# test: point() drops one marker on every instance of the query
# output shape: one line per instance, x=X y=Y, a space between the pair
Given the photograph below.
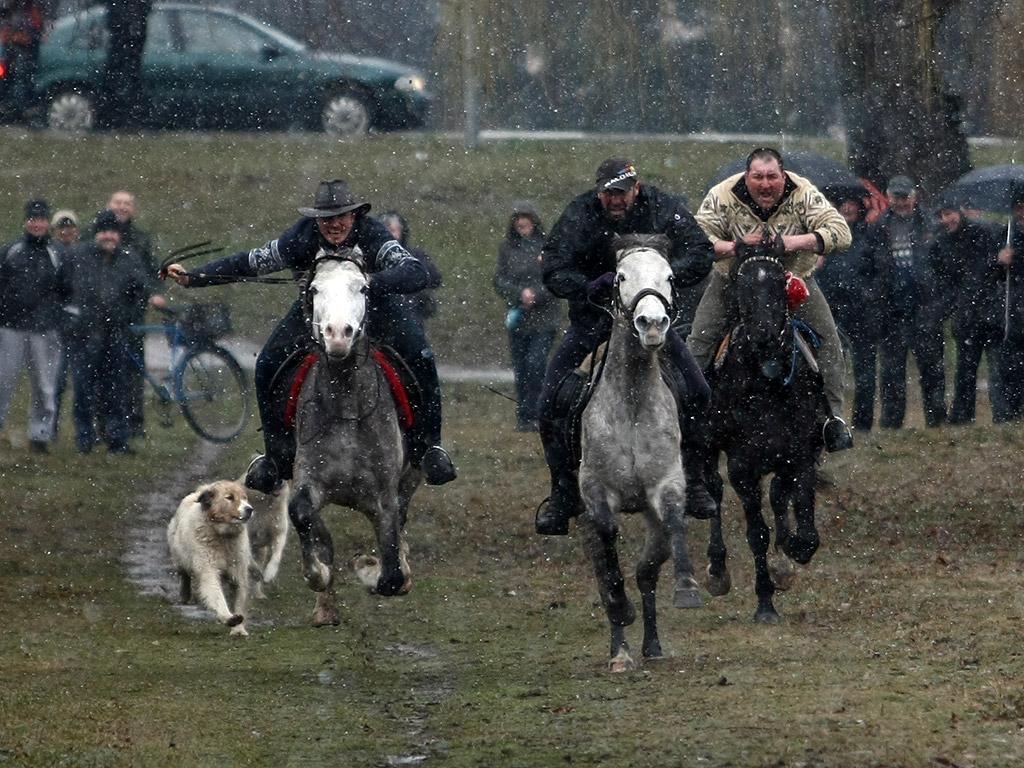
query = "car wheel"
x=71 y=112
x=345 y=114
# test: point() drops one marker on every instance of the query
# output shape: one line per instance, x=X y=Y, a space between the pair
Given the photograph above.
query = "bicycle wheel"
x=211 y=389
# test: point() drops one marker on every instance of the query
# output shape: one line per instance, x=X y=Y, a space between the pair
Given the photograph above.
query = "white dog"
x=209 y=542
x=268 y=534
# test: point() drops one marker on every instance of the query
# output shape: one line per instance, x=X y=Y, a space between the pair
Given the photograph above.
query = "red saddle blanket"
x=405 y=418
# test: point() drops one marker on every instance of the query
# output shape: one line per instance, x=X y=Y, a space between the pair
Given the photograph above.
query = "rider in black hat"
x=336 y=220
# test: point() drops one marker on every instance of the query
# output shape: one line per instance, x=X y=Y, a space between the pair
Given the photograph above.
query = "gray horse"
x=630 y=448
x=350 y=447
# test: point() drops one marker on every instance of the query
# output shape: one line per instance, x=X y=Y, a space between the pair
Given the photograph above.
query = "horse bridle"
x=353 y=255
x=628 y=312
x=782 y=334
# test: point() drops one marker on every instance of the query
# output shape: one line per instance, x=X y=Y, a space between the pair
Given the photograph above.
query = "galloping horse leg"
x=804 y=543
x=780 y=567
x=687 y=591
x=389 y=538
x=599 y=531
x=748 y=488
x=657 y=549
x=719 y=581
x=317 y=545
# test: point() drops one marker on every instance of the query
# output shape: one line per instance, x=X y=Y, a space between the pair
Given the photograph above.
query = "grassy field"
x=899 y=646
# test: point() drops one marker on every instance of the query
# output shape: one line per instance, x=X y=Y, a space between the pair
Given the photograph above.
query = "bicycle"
x=203 y=378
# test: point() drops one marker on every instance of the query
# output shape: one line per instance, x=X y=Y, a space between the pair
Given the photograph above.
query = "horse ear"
x=778 y=247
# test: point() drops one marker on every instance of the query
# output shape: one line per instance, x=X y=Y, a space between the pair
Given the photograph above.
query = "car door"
x=165 y=77
x=243 y=76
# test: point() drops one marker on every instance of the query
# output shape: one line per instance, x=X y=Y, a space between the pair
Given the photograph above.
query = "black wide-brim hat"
x=333 y=198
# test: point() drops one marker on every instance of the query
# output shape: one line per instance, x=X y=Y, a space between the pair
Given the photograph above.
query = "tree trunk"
x=899 y=119
x=120 y=103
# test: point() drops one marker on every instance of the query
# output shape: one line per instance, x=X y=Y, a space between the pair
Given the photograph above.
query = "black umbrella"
x=835 y=180
x=992 y=188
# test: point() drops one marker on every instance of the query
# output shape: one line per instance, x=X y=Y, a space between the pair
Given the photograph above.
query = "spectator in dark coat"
x=534 y=313
x=109 y=290
x=133 y=238
x=31 y=296
x=912 y=319
x=849 y=282
x=422 y=304
x=964 y=258
x=1011 y=351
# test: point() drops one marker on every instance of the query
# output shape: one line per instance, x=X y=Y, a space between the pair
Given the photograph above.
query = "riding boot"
x=564 y=502
x=267 y=472
x=425 y=435
x=695 y=430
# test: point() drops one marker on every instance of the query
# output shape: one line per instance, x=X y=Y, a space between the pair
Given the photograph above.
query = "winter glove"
x=599 y=290
x=603 y=284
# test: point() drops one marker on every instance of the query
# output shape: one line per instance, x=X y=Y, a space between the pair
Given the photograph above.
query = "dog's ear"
x=206 y=498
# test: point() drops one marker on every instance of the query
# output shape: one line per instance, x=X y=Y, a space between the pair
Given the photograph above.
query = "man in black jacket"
x=109 y=288
x=964 y=257
x=577 y=262
x=336 y=220
x=31 y=295
x=912 y=319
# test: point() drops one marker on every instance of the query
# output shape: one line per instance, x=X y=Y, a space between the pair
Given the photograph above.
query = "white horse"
x=630 y=448
x=350 y=449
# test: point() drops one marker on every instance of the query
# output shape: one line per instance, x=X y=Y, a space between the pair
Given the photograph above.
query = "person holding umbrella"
x=1011 y=351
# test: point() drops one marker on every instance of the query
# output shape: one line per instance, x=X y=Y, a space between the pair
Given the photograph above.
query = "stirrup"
x=437 y=466
x=262 y=475
x=836 y=434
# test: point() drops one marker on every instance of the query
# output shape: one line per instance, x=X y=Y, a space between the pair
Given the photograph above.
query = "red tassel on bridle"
x=796 y=290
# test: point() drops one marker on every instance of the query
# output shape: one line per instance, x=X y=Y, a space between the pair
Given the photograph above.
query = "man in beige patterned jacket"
x=768 y=198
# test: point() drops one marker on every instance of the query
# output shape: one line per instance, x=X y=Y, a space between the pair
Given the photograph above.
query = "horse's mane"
x=656 y=242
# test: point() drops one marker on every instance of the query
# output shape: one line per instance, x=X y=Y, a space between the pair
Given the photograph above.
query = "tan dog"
x=209 y=542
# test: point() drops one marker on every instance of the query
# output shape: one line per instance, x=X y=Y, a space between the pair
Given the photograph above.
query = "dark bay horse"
x=764 y=414
x=630 y=448
x=350 y=449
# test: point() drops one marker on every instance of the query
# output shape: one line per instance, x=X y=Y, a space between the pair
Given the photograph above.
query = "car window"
x=92 y=34
x=213 y=33
x=158 y=33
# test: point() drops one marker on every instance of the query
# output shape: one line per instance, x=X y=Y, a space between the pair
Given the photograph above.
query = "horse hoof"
x=687 y=595
x=621 y=662
x=240 y=630
x=367 y=570
x=406 y=587
x=766 y=617
x=719 y=585
x=325 y=612
x=782 y=573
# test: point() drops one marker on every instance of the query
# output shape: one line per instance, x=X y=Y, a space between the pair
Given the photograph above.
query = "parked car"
x=210 y=67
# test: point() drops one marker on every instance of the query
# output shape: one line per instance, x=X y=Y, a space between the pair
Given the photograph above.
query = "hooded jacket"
x=519 y=268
